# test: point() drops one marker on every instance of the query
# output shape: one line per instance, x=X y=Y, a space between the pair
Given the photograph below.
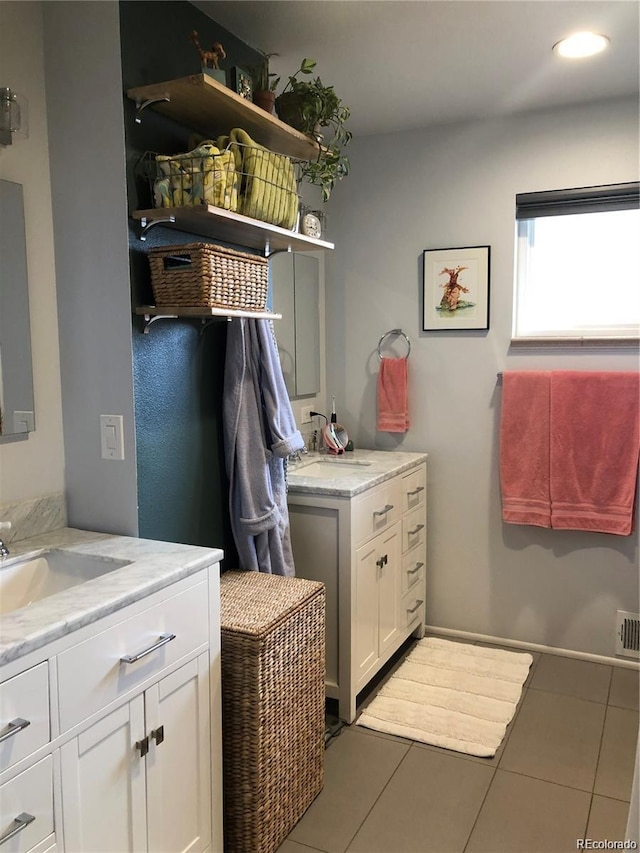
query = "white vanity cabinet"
x=154 y=746
x=122 y=746
x=139 y=778
x=369 y=549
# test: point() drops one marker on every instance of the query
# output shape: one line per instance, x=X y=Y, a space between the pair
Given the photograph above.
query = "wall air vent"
x=628 y=634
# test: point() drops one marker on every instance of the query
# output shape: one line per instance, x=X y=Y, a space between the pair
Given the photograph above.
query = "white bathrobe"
x=259 y=433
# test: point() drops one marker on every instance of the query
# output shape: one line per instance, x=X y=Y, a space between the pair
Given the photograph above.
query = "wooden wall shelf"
x=200 y=102
x=220 y=224
x=151 y=313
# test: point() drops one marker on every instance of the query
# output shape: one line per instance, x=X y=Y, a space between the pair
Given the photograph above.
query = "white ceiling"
x=401 y=64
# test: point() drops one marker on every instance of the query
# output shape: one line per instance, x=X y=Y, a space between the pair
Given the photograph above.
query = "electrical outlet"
x=305 y=414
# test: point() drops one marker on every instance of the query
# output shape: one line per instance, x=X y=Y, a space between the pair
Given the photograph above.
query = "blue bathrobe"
x=259 y=433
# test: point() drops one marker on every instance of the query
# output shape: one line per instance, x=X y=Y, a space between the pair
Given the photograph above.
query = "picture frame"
x=242 y=82
x=456 y=289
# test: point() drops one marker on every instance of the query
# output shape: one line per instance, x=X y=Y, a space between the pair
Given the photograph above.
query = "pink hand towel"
x=393 y=413
x=524 y=448
x=595 y=440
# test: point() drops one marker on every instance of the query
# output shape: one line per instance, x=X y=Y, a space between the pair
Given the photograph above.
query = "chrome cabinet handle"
x=416 y=491
x=22 y=821
x=413 y=609
x=384 y=511
x=416 y=530
x=162 y=641
x=14 y=727
x=417 y=569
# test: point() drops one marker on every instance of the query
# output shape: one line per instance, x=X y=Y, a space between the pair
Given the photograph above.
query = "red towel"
x=393 y=413
x=524 y=448
x=595 y=441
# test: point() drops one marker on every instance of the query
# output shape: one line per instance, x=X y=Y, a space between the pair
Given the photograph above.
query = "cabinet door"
x=366 y=609
x=103 y=784
x=179 y=761
x=389 y=589
x=376 y=606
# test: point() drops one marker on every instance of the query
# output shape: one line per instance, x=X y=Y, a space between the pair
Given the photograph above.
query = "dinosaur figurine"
x=209 y=58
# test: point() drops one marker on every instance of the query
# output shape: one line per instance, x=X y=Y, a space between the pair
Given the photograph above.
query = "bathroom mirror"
x=295 y=283
x=16 y=377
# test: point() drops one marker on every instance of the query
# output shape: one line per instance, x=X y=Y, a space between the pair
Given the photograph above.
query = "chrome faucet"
x=4 y=551
x=296 y=456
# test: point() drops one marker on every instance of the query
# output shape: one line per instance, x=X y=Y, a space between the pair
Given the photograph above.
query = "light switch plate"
x=112 y=436
x=23 y=422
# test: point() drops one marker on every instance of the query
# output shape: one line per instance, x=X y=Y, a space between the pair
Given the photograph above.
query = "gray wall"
x=86 y=144
x=455 y=186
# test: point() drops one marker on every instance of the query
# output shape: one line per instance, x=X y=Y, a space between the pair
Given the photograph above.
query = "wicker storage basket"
x=272 y=705
x=202 y=275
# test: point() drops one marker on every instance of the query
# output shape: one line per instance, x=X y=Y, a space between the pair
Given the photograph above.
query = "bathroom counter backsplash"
x=351 y=473
x=152 y=566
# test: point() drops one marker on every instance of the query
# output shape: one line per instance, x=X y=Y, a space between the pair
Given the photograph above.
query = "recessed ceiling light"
x=581 y=44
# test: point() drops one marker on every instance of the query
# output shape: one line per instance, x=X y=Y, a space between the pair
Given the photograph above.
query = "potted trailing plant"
x=264 y=83
x=310 y=107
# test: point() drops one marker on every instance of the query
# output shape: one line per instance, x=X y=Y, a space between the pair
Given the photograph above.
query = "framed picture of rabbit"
x=456 y=289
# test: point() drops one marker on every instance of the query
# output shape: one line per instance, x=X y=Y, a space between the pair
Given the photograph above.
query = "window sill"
x=582 y=343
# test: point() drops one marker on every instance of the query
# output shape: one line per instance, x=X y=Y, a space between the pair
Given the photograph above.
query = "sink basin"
x=24 y=581
x=328 y=467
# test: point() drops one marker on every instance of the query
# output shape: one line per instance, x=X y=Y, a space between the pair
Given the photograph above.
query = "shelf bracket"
x=269 y=253
x=142 y=106
x=147 y=224
x=205 y=322
x=151 y=318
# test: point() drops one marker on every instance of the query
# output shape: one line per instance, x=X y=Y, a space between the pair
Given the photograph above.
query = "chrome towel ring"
x=394 y=332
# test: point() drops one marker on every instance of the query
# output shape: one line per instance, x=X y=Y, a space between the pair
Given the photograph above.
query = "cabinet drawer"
x=376 y=510
x=413 y=569
x=413 y=529
x=412 y=609
x=24 y=714
x=414 y=488
x=27 y=800
x=93 y=673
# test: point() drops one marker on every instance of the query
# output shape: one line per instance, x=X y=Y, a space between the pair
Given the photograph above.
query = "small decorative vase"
x=265 y=100
x=289 y=110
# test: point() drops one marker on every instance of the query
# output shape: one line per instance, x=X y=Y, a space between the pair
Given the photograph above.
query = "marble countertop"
x=153 y=565
x=349 y=474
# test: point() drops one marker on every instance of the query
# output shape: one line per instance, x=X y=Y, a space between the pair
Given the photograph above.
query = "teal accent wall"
x=178 y=365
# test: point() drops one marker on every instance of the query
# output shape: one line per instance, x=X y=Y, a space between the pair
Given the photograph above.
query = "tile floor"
x=563 y=772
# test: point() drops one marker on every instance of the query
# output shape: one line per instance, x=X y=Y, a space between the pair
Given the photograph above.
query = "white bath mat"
x=453 y=695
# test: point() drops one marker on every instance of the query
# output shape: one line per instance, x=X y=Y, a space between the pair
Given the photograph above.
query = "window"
x=578 y=263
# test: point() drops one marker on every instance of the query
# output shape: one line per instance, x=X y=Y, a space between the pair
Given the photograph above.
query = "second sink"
x=330 y=467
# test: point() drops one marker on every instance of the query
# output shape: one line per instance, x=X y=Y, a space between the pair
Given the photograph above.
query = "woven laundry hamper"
x=273 y=669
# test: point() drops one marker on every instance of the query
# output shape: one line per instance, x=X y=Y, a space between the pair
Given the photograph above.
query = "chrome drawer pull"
x=416 y=491
x=384 y=511
x=413 y=609
x=23 y=820
x=14 y=727
x=417 y=569
x=162 y=641
x=416 y=530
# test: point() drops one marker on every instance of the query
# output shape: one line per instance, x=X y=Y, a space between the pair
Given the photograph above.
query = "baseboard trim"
x=533 y=647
